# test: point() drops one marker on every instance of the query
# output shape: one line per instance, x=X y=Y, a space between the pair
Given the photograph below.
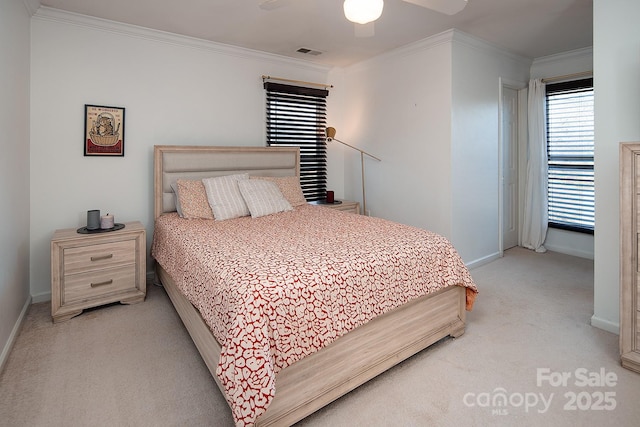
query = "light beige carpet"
x=136 y=365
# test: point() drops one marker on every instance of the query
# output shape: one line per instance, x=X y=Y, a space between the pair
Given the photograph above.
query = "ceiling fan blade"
x=364 y=30
x=448 y=7
x=273 y=4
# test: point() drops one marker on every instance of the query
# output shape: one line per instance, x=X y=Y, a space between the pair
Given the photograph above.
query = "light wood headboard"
x=173 y=162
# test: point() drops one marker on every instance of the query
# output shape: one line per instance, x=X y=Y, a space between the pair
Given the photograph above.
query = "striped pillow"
x=263 y=197
x=224 y=196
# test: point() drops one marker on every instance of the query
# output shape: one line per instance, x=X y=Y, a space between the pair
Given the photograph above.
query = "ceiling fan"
x=364 y=12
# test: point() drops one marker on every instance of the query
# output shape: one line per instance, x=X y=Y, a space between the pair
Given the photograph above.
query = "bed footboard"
x=348 y=362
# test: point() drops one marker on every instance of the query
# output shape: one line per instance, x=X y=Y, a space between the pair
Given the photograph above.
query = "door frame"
x=520 y=143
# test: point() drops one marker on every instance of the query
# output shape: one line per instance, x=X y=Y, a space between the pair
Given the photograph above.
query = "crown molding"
x=402 y=51
x=69 y=18
x=476 y=43
x=31 y=6
x=586 y=52
x=446 y=37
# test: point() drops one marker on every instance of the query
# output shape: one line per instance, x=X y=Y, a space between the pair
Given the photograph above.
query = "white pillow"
x=263 y=197
x=224 y=196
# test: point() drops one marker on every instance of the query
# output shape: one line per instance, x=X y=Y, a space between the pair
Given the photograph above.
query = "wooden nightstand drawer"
x=347 y=206
x=104 y=255
x=341 y=205
x=92 y=284
x=88 y=270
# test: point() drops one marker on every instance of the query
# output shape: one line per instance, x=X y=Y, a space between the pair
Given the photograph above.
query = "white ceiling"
x=531 y=28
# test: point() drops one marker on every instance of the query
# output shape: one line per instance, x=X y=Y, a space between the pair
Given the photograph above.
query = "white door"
x=509 y=168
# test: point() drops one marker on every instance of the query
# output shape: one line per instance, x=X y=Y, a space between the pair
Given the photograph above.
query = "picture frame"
x=103 y=130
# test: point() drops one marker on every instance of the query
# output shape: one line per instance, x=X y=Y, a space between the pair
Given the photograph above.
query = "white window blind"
x=296 y=116
x=570 y=148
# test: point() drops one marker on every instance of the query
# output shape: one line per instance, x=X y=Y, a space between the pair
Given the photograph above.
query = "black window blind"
x=570 y=147
x=296 y=116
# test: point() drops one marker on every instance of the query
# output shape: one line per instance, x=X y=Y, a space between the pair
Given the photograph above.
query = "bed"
x=337 y=363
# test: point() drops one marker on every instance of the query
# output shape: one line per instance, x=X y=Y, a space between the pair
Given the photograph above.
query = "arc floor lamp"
x=331 y=133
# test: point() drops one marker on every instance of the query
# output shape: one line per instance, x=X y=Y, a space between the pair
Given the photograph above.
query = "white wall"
x=14 y=170
x=478 y=69
x=430 y=112
x=185 y=91
x=577 y=61
x=175 y=90
x=616 y=60
x=397 y=107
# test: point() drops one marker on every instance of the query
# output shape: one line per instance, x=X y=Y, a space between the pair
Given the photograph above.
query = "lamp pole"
x=331 y=133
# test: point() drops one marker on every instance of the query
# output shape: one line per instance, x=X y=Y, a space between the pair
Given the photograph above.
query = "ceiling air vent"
x=308 y=51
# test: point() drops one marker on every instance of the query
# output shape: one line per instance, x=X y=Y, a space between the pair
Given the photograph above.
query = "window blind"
x=570 y=148
x=296 y=116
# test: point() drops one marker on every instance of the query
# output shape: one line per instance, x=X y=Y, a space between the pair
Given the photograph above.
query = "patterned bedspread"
x=277 y=288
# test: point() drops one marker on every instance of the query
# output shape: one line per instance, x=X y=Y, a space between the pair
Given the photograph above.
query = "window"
x=570 y=155
x=296 y=116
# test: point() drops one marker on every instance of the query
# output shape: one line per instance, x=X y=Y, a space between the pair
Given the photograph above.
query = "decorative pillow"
x=193 y=199
x=174 y=187
x=263 y=197
x=224 y=196
x=289 y=186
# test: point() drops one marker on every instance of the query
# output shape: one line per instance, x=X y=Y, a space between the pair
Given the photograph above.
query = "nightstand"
x=346 y=205
x=88 y=270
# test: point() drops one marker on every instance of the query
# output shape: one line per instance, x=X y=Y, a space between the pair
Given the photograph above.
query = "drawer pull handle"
x=106 y=282
x=101 y=257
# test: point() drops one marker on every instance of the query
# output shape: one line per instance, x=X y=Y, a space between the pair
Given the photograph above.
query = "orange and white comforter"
x=278 y=288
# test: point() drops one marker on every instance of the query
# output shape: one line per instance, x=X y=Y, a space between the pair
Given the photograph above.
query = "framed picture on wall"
x=103 y=130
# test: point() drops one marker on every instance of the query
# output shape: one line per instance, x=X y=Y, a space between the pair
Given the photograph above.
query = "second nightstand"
x=345 y=205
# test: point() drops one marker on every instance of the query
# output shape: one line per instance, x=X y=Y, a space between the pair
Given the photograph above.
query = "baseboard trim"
x=14 y=334
x=151 y=277
x=606 y=325
x=482 y=261
x=43 y=297
x=569 y=251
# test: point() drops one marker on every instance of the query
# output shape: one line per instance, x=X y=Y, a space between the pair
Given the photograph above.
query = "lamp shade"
x=331 y=133
x=363 y=11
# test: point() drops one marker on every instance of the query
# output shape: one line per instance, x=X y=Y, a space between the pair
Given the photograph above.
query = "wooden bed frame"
x=348 y=362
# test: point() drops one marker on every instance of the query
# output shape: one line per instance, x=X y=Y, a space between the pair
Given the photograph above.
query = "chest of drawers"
x=89 y=270
x=630 y=255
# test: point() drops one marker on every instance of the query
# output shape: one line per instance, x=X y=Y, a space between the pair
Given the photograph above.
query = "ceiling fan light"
x=363 y=11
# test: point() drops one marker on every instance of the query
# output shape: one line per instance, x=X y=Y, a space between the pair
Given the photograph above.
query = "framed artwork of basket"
x=103 y=130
